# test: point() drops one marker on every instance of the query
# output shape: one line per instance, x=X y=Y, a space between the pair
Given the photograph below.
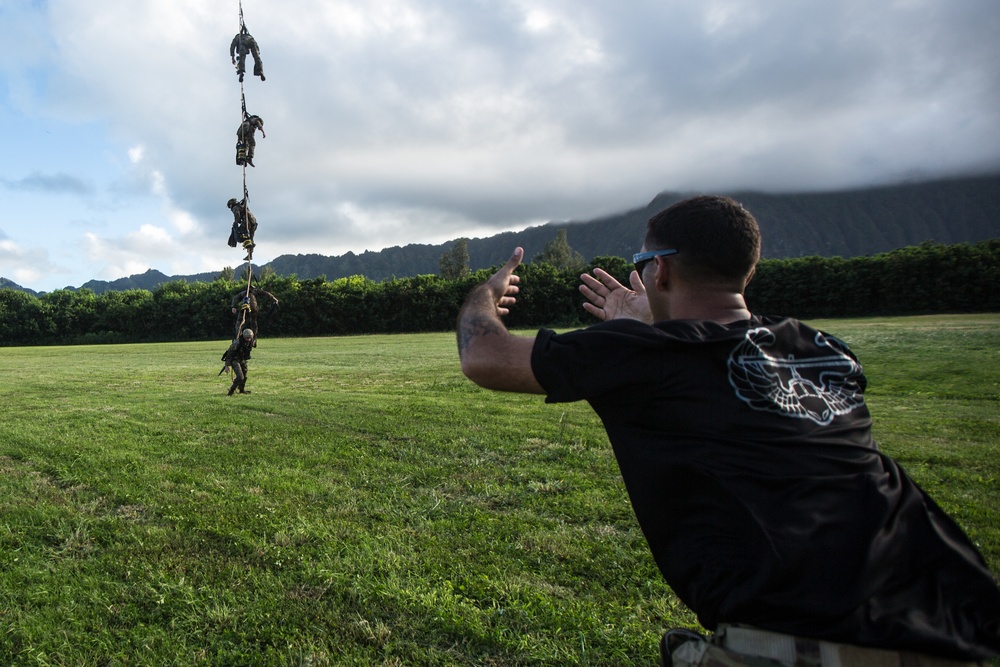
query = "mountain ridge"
x=845 y=223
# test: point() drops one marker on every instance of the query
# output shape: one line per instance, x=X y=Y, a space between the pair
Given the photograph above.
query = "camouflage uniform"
x=242 y=43
x=245 y=139
x=236 y=357
x=244 y=301
x=244 y=226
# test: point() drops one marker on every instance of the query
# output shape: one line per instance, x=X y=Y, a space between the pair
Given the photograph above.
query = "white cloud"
x=22 y=265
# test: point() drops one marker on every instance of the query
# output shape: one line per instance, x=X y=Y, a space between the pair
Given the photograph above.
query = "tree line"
x=929 y=278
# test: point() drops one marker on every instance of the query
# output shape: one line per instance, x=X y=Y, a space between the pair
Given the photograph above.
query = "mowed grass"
x=367 y=505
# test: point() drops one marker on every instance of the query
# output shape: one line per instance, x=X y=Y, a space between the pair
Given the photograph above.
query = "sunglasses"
x=641 y=259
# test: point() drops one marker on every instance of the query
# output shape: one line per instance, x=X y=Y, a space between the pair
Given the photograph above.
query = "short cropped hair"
x=715 y=237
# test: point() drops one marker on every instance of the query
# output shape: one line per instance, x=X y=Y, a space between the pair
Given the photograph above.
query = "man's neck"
x=717 y=306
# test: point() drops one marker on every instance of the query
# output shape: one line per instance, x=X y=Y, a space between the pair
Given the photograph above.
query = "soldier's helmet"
x=248 y=333
x=231 y=203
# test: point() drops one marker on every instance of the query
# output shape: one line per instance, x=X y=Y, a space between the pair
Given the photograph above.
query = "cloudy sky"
x=418 y=121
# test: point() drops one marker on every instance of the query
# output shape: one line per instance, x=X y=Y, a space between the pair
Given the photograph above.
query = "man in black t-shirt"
x=745 y=445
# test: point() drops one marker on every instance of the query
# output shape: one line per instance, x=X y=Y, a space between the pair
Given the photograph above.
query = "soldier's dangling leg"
x=251 y=143
x=243 y=314
x=253 y=320
x=258 y=64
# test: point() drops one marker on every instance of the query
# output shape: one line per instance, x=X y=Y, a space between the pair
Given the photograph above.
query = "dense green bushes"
x=930 y=278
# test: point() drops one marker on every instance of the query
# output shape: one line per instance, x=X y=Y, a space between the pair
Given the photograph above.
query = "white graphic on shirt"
x=816 y=388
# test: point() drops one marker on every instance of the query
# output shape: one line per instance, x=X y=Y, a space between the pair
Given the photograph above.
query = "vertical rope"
x=242 y=315
x=246 y=193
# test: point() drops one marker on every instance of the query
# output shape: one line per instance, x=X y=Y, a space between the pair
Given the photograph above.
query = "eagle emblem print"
x=818 y=388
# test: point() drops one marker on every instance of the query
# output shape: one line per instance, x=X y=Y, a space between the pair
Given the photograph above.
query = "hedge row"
x=930 y=278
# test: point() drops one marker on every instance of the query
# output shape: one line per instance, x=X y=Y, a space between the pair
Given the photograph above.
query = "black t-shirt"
x=746 y=450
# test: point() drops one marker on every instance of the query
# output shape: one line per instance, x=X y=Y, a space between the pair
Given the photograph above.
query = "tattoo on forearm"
x=477 y=318
x=477 y=324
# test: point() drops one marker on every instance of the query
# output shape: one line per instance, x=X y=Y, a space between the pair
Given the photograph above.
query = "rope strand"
x=242 y=315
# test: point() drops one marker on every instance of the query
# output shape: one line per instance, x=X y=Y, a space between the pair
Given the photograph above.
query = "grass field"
x=366 y=505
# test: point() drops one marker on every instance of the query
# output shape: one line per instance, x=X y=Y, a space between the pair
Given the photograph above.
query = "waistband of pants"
x=801 y=652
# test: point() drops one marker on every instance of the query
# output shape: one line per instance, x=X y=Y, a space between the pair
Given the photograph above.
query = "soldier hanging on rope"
x=246 y=140
x=243 y=43
x=244 y=226
x=246 y=308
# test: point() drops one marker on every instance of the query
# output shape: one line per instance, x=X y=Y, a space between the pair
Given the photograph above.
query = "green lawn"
x=367 y=505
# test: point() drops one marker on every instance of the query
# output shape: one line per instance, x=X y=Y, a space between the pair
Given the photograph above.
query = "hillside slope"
x=845 y=223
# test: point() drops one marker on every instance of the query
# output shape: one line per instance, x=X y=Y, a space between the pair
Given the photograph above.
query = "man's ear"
x=750 y=277
x=663 y=278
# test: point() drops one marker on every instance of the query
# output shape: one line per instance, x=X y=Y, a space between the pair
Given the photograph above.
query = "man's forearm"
x=478 y=317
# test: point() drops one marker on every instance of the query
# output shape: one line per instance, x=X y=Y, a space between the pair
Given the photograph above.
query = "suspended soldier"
x=243 y=43
x=245 y=138
x=244 y=226
x=247 y=309
x=236 y=357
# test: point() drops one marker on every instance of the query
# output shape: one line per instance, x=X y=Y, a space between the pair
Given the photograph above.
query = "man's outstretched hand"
x=486 y=304
x=491 y=357
x=503 y=284
x=608 y=299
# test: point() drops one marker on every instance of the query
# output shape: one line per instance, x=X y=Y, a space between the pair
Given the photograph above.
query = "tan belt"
x=800 y=652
